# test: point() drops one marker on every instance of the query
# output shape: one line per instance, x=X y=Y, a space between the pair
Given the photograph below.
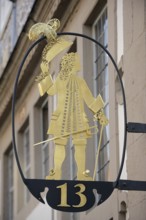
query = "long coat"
x=70 y=115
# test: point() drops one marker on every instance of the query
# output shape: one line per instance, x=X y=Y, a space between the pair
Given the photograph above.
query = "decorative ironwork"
x=136 y=127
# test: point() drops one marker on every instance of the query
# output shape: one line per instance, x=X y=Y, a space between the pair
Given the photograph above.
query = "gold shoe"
x=85 y=176
x=51 y=175
x=54 y=175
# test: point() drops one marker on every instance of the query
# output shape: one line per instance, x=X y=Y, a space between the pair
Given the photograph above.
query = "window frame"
x=100 y=174
x=44 y=145
x=9 y=184
x=27 y=164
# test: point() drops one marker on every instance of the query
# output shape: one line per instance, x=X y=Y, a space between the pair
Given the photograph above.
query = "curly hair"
x=67 y=64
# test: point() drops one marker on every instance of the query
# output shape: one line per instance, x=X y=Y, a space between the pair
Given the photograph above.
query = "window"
x=101 y=85
x=26 y=150
x=9 y=182
x=26 y=147
x=42 y=152
x=45 y=149
x=72 y=163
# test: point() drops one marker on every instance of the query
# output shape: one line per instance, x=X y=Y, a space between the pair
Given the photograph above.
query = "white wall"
x=42 y=211
x=5 y=10
x=119 y=30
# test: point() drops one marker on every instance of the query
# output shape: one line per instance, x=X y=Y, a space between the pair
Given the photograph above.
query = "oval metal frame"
x=115 y=184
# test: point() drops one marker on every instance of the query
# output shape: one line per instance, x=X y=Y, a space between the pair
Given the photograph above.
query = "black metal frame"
x=36 y=186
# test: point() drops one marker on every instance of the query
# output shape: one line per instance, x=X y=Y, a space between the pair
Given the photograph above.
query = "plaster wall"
x=135 y=87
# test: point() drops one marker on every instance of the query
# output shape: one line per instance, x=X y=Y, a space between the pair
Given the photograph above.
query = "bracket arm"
x=133 y=127
x=131 y=185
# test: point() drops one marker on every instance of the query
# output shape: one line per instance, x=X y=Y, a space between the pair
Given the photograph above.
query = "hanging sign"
x=68 y=121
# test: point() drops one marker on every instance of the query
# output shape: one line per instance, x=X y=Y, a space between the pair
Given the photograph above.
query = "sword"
x=65 y=135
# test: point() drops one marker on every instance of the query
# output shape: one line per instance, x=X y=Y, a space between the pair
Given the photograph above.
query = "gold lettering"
x=83 y=198
x=63 y=195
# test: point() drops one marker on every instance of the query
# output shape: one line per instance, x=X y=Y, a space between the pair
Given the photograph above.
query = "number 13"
x=63 y=202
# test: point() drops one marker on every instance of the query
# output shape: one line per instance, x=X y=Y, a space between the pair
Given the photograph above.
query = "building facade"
x=120 y=26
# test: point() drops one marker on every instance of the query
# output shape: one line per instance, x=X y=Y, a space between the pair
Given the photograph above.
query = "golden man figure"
x=69 y=117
